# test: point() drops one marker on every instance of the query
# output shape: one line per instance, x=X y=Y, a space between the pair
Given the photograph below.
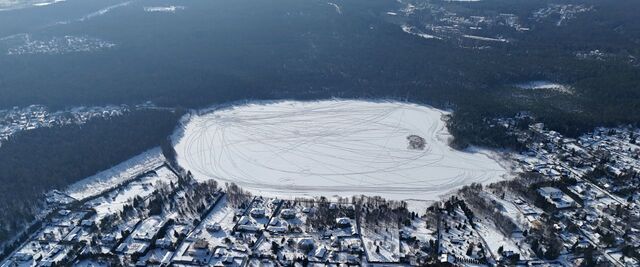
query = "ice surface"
x=336 y=147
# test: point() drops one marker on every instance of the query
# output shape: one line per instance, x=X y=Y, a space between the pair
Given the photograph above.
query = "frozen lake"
x=333 y=147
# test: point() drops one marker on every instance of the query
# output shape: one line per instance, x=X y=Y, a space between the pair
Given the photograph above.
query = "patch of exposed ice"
x=481 y=38
x=48 y=3
x=545 y=85
x=22 y=44
x=163 y=9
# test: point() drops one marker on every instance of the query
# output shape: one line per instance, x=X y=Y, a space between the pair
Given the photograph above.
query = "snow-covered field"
x=545 y=85
x=495 y=239
x=382 y=243
x=333 y=147
x=116 y=175
x=144 y=187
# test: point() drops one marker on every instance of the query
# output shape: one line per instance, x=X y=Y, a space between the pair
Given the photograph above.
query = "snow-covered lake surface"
x=333 y=147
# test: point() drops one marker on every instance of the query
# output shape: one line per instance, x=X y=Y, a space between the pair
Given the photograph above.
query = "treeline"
x=34 y=162
x=359 y=55
x=605 y=89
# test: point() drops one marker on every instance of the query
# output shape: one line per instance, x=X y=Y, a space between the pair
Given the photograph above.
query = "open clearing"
x=545 y=85
x=333 y=147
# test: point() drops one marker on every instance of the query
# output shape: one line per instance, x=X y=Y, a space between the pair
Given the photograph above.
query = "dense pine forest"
x=310 y=51
x=37 y=161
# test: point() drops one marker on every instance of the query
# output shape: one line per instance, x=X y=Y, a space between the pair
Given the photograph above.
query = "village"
x=572 y=202
x=32 y=117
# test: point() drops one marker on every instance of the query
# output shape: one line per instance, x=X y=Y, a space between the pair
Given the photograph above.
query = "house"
x=243 y=220
x=164 y=243
x=288 y=214
x=215 y=227
x=139 y=248
x=343 y=222
x=219 y=252
x=551 y=192
x=201 y=244
x=121 y=248
x=507 y=253
x=87 y=223
x=277 y=229
x=25 y=256
x=227 y=259
x=305 y=243
x=258 y=212
x=446 y=258
x=556 y=197
x=64 y=212
x=320 y=252
x=108 y=239
x=248 y=228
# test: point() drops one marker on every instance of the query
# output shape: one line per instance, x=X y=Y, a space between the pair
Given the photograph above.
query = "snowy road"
x=336 y=147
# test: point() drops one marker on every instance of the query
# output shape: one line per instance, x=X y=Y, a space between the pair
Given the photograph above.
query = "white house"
x=551 y=192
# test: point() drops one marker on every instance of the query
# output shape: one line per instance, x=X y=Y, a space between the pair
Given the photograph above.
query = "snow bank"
x=124 y=171
x=545 y=85
x=337 y=147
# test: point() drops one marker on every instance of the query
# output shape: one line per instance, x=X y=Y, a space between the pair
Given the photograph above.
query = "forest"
x=37 y=161
x=306 y=50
